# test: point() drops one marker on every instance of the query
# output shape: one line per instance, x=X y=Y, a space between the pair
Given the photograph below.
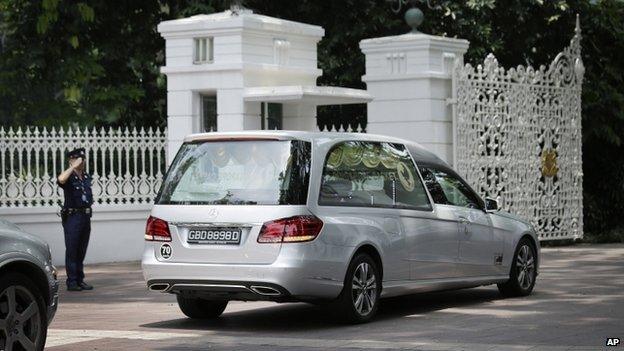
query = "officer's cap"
x=79 y=152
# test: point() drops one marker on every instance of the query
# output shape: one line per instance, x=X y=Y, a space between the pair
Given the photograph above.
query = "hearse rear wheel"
x=359 y=300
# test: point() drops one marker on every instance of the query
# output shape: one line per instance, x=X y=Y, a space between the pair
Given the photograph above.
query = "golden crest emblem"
x=549 y=163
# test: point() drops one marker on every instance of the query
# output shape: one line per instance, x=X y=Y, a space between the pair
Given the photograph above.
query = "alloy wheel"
x=20 y=320
x=525 y=265
x=364 y=289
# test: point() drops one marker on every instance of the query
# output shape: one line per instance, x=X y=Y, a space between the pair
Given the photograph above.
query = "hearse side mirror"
x=491 y=205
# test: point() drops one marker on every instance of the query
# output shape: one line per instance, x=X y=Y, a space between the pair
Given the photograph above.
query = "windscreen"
x=250 y=172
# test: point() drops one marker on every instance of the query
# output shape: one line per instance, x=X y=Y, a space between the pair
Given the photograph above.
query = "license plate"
x=214 y=236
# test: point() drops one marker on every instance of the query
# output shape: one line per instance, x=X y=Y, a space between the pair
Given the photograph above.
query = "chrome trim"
x=214 y=224
x=255 y=288
x=402 y=287
x=190 y=285
x=152 y=287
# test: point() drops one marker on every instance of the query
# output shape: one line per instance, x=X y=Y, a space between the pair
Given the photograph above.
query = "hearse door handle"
x=463 y=220
x=465 y=223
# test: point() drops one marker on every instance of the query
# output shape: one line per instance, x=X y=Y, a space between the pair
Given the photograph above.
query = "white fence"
x=350 y=128
x=127 y=166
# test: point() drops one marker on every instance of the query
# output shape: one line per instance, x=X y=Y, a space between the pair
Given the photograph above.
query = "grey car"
x=28 y=289
x=330 y=218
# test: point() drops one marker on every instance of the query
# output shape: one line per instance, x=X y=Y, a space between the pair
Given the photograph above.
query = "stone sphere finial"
x=237 y=7
x=414 y=17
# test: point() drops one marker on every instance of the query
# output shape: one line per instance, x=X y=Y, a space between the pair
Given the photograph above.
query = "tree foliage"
x=96 y=62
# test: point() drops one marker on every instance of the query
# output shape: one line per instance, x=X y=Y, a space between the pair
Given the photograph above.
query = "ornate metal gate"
x=518 y=138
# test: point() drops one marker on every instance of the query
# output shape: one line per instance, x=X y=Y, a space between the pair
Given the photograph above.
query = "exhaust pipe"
x=159 y=287
x=265 y=290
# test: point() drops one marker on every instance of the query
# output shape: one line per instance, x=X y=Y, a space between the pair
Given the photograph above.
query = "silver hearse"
x=337 y=218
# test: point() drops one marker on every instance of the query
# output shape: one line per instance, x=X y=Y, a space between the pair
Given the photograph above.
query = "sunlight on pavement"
x=500 y=313
x=59 y=337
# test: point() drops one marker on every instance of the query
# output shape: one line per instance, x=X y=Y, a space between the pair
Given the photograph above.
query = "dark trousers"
x=77 y=228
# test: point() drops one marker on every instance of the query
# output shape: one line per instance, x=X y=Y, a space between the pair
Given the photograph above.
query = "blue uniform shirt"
x=77 y=192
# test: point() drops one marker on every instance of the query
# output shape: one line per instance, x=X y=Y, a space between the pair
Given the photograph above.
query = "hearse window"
x=246 y=172
x=447 y=189
x=372 y=174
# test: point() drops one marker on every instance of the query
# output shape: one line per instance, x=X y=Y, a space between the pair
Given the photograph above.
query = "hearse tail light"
x=157 y=230
x=290 y=230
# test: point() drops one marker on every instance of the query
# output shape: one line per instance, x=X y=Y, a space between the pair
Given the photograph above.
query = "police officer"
x=76 y=215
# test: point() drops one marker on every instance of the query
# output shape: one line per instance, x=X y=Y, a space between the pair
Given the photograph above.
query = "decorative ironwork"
x=518 y=138
x=127 y=166
x=343 y=128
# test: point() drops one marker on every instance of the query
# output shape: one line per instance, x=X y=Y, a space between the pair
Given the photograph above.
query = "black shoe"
x=85 y=286
x=74 y=287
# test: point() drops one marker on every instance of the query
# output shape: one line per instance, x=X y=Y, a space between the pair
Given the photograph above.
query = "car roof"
x=419 y=153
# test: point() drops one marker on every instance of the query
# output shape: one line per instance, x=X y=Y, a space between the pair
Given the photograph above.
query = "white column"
x=410 y=79
x=299 y=117
x=234 y=114
x=251 y=118
x=182 y=115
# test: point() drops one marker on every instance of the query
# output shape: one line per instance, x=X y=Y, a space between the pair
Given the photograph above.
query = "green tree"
x=90 y=62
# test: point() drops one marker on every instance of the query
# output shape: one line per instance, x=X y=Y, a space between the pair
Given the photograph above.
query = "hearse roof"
x=419 y=153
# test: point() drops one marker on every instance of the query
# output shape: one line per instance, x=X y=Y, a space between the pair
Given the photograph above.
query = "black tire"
x=523 y=271
x=24 y=321
x=198 y=308
x=346 y=307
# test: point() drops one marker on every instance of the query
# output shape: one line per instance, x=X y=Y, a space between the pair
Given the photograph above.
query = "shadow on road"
x=301 y=316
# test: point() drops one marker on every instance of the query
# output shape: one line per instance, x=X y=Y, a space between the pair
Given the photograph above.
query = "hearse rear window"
x=250 y=172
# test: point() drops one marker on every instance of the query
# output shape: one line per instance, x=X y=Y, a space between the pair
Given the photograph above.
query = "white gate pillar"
x=410 y=78
x=182 y=114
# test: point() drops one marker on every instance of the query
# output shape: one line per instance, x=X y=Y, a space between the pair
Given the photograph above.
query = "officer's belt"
x=86 y=210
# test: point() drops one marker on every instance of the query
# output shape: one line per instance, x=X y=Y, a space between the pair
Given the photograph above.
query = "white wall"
x=116 y=231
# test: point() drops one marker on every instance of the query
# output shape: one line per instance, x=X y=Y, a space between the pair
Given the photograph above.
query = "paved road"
x=577 y=304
